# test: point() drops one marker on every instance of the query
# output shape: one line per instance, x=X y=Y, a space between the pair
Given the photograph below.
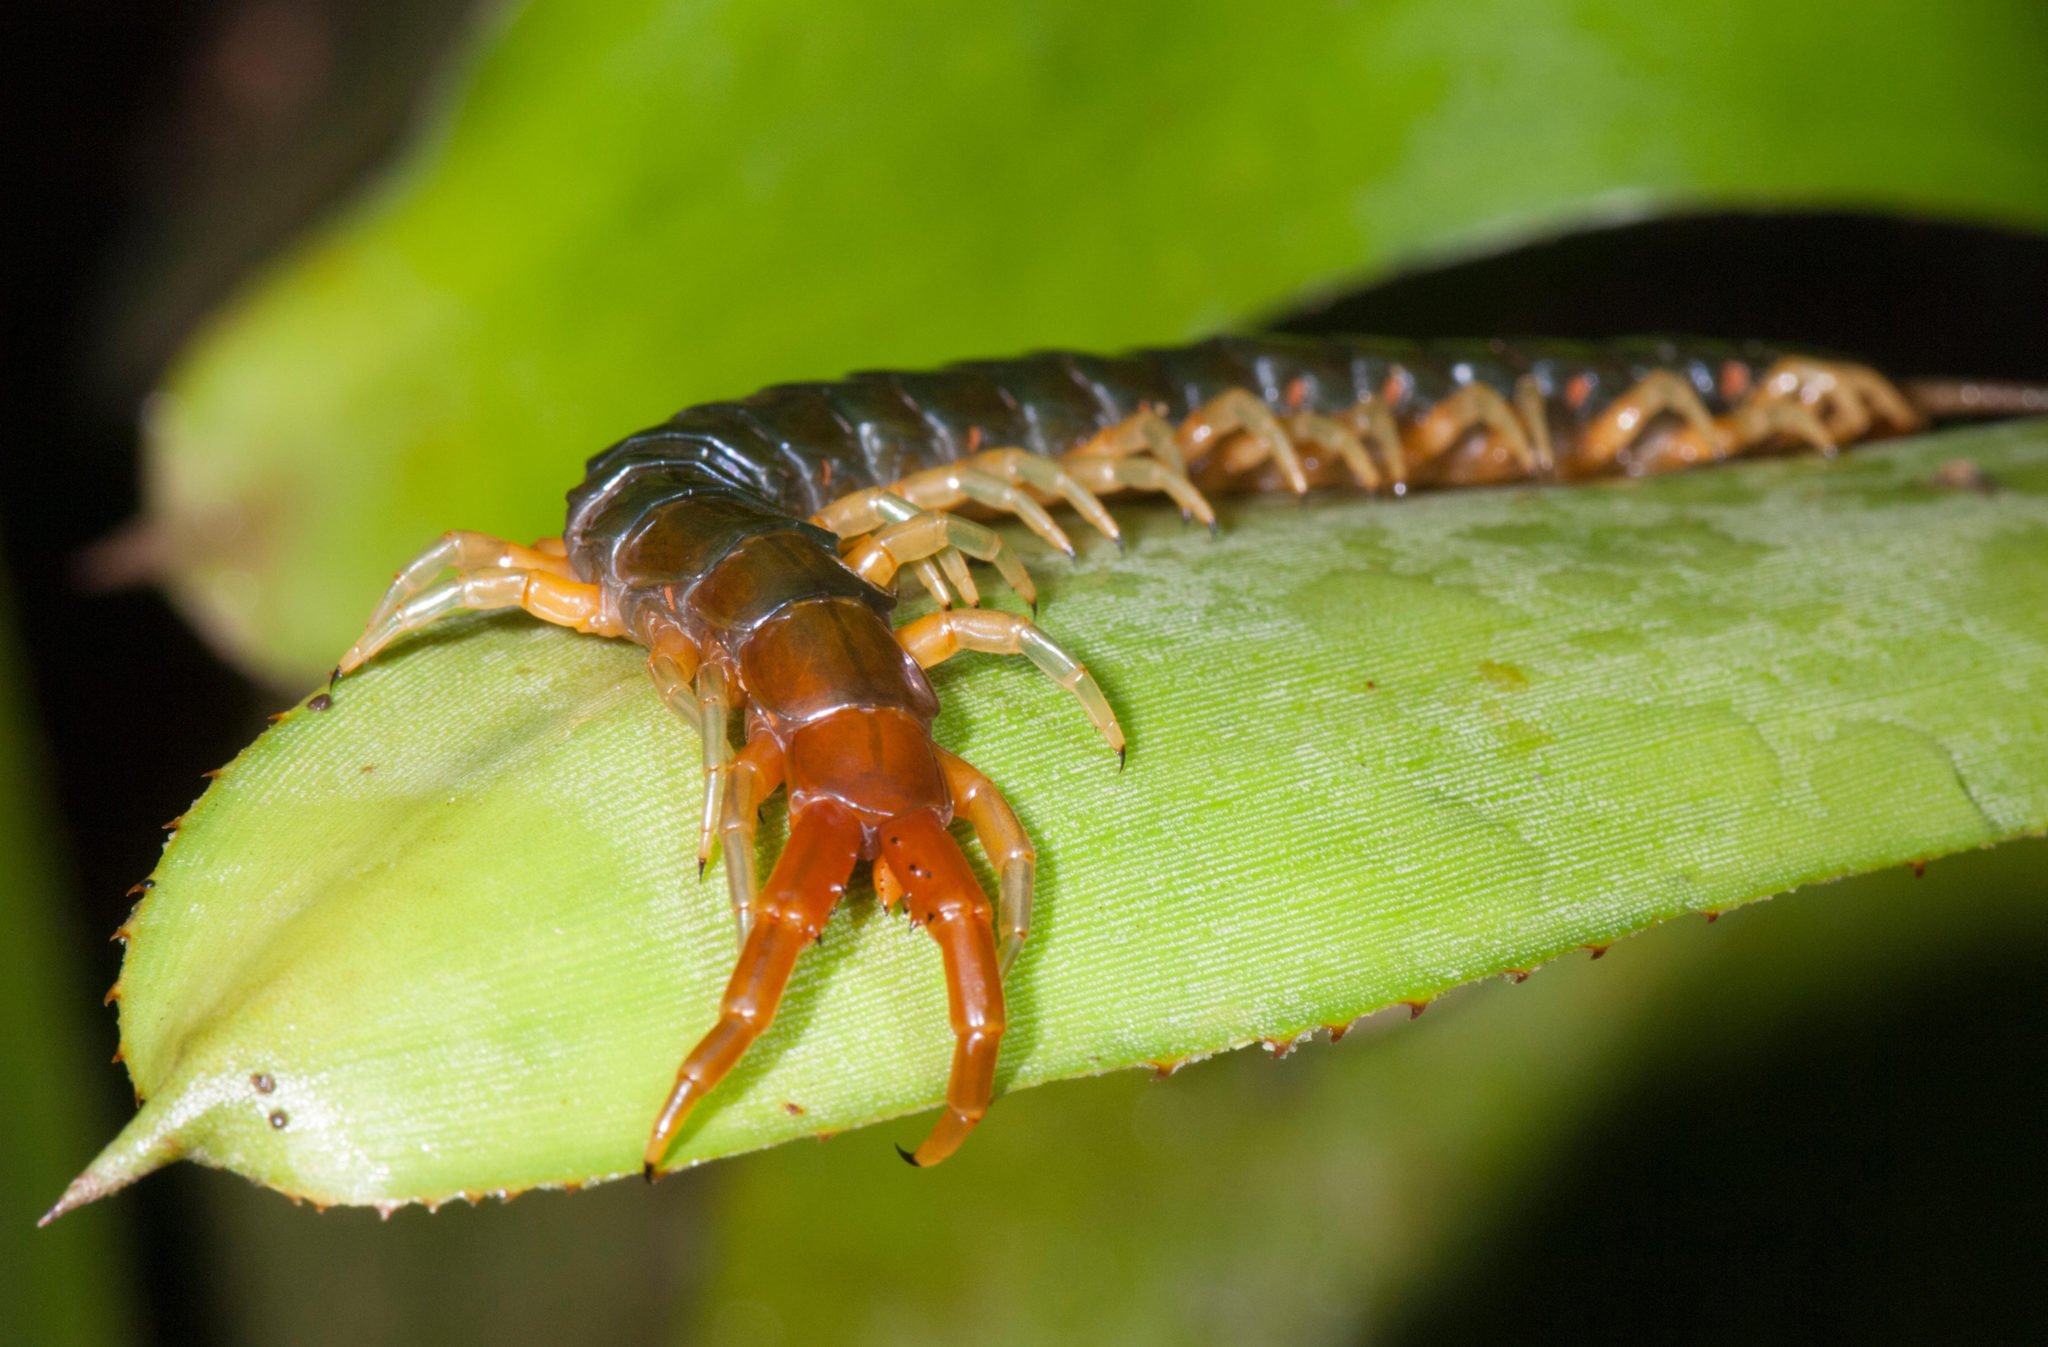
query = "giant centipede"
x=753 y=548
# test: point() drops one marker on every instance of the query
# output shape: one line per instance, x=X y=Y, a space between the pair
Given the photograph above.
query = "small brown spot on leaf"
x=263 y=1082
x=1960 y=474
x=279 y=1120
x=792 y=1108
x=1505 y=676
x=319 y=701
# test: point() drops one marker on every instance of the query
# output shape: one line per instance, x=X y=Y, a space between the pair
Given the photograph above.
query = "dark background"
x=153 y=152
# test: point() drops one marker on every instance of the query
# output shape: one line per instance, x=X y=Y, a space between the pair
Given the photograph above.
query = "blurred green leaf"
x=67 y=1285
x=638 y=204
x=443 y=937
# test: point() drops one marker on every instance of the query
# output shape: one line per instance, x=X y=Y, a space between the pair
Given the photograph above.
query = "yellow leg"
x=859 y=513
x=543 y=593
x=755 y=774
x=1003 y=840
x=877 y=557
x=1766 y=422
x=1146 y=432
x=1334 y=437
x=1848 y=399
x=1238 y=413
x=1473 y=407
x=1623 y=421
x=1535 y=413
x=995 y=480
x=938 y=637
x=465 y=551
x=1140 y=473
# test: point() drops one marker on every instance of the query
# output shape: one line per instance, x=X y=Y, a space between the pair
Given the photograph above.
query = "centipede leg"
x=1136 y=473
x=1373 y=422
x=1336 y=438
x=945 y=899
x=1003 y=840
x=862 y=512
x=1534 y=410
x=877 y=557
x=714 y=695
x=795 y=903
x=544 y=594
x=1473 y=407
x=1848 y=398
x=466 y=551
x=1762 y=422
x=1238 y=412
x=756 y=772
x=1046 y=475
x=937 y=637
x=1143 y=432
x=1622 y=422
x=888 y=888
x=952 y=484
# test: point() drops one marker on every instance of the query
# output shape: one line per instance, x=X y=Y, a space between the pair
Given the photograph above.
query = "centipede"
x=755 y=549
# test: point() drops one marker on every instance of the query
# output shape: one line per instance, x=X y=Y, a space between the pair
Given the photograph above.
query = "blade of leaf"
x=442 y=938
x=638 y=204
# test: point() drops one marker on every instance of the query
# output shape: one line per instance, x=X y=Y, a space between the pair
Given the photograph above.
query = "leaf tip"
x=143 y=1147
x=86 y=1188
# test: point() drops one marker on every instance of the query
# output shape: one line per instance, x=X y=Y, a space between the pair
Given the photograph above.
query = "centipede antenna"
x=1975 y=397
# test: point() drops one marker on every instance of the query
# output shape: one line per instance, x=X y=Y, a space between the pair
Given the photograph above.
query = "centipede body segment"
x=753 y=548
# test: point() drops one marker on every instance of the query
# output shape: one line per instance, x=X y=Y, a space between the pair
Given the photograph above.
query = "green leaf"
x=443 y=937
x=643 y=203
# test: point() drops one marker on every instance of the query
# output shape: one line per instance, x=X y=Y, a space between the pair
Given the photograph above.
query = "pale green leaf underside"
x=1379 y=749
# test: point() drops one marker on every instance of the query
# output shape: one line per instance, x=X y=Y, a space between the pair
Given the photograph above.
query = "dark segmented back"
x=799 y=446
